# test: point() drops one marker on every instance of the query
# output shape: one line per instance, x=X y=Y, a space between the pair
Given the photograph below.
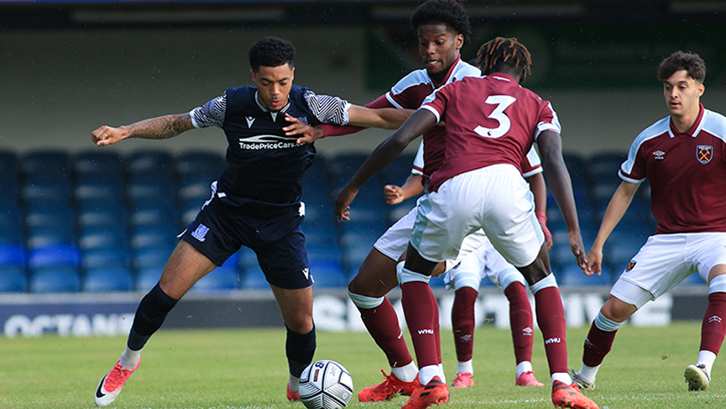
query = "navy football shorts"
x=220 y=230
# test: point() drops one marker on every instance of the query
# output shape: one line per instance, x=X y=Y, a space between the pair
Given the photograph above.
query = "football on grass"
x=325 y=384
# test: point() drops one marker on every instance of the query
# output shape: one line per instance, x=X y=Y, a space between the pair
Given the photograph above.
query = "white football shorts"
x=496 y=199
x=394 y=241
x=664 y=261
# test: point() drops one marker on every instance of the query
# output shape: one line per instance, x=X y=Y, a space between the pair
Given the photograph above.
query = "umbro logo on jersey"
x=200 y=233
x=250 y=121
x=659 y=155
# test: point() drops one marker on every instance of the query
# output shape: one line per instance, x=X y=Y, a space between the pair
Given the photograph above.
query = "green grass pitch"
x=247 y=369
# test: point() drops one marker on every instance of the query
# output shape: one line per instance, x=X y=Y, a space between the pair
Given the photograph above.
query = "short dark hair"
x=448 y=12
x=692 y=63
x=271 y=52
x=504 y=52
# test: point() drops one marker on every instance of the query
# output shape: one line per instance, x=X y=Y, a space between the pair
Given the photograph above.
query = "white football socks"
x=129 y=359
x=406 y=373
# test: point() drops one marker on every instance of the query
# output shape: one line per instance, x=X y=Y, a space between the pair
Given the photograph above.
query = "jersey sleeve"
x=547 y=121
x=210 y=114
x=531 y=164
x=418 y=161
x=405 y=93
x=436 y=102
x=335 y=130
x=328 y=109
x=633 y=170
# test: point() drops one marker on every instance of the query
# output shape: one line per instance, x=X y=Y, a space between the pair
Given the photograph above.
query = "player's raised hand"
x=393 y=194
x=309 y=134
x=106 y=135
x=342 y=202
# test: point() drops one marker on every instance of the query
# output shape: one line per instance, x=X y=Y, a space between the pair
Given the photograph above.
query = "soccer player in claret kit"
x=491 y=123
x=255 y=203
x=683 y=157
x=442 y=27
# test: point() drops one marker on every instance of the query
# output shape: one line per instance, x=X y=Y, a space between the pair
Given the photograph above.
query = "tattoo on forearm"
x=163 y=127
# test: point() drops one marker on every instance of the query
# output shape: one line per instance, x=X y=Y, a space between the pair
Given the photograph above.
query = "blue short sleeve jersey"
x=264 y=165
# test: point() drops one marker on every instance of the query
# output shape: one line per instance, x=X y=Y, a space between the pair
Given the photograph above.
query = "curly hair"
x=504 y=52
x=448 y=12
x=692 y=63
x=271 y=52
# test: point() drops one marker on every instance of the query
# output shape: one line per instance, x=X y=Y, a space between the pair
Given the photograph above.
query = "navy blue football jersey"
x=264 y=165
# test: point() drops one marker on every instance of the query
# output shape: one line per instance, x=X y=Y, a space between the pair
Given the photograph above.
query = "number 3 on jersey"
x=502 y=102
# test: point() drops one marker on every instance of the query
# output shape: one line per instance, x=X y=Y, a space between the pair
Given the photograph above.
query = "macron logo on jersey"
x=200 y=233
x=250 y=121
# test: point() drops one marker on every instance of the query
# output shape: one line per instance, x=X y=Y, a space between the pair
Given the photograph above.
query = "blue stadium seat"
x=108 y=279
x=571 y=274
x=146 y=278
x=12 y=268
x=91 y=186
x=102 y=236
x=105 y=257
x=47 y=162
x=322 y=233
x=101 y=214
x=328 y=274
x=189 y=209
x=10 y=186
x=54 y=255
x=150 y=161
x=154 y=236
x=13 y=279
x=219 y=279
x=46 y=188
x=620 y=249
x=195 y=187
x=9 y=163
x=151 y=257
x=252 y=277
x=99 y=163
x=154 y=212
x=44 y=236
x=144 y=187
x=399 y=170
x=211 y=164
x=12 y=255
x=55 y=279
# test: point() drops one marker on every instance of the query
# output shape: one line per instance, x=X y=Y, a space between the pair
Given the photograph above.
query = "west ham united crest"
x=704 y=153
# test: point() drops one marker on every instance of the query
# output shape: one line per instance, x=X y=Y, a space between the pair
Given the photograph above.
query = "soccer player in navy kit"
x=683 y=156
x=491 y=123
x=255 y=203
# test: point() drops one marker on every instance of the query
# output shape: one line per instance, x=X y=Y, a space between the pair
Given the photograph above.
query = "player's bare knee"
x=617 y=310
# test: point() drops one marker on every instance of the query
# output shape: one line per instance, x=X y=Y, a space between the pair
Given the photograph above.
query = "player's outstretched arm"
x=386 y=118
x=553 y=164
x=421 y=121
x=617 y=207
x=162 y=127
